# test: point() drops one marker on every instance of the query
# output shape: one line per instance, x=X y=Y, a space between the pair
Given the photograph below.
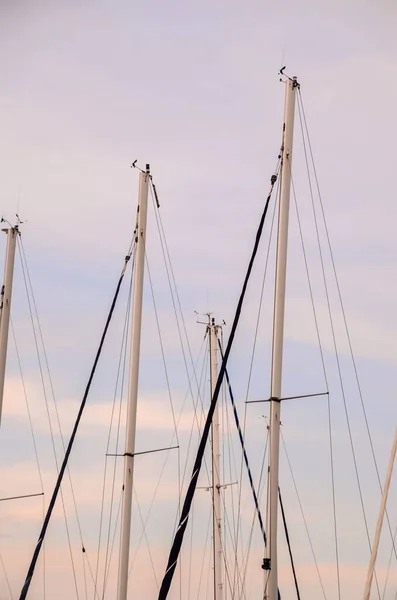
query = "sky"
x=193 y=88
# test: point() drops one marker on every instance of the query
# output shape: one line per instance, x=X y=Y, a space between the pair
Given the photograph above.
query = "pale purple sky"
x=192 y=88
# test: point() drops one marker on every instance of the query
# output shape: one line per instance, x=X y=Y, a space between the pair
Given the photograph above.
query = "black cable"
x=289 y=545
x=178 y=539
x=51 y=505
x=240 y=435
x=241 y=438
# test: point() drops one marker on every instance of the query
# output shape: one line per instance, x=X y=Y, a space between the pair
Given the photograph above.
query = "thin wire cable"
x=146 y=540
x=84 y=574
x=334 y=341
x=121 y=368
x=164 y=463
x=246 y=462
x=176 y=546
x=33 y=440
x=166 y=375
x=277 y=171
x=26 y=279
x=190 y=553
x=204 y=554
x=6 y=577
x=249 y=544
x=170 y=400
x=339 y=373
x=177 y=305
x=117 y=450
x=300 y=104
x=230 y=531
x=112 y=546
x=31 y=569
x=323 y=365
x=232 y=459
x=289 y=545
x=303 y=517
x=389 y=565
x=25 y=395
x=46 y=361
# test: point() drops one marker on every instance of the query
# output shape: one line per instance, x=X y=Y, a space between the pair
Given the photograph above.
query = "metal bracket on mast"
x=220 y=486
x=144 y=452
x=287 y=398
x=295 y=83
x=135 y=166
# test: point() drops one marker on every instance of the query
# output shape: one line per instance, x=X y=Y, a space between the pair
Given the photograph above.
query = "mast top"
x=11 y=227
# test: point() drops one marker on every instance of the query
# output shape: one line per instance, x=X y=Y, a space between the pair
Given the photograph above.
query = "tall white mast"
x=382 y=510
x=5 y=304
x=216 y=487
x=136 y=321
x=271 y=589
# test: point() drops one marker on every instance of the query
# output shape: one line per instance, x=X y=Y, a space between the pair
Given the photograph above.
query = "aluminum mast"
x=270 y=563
x=5 y=304
x=216 y=487
x=136 y=322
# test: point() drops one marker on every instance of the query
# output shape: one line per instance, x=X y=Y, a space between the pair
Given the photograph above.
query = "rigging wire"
x=250 y=478
x=249 y=544
x=121 y=368
x=84 y=575
x=32 y=565
x=227 y=527
x=33 y=312
x=241 y=438
x=6 y=577
x=33 y=439
x=300 y=105
x=325 y=377
x=164 y=463
x=112 y=546
x=176 y=546
x=236 y=573
x=171 y=279
x=330 y=438
x=289 y=544
x=146 y=540
x=277 y=170
x=190 y=553
x=204 y=554
x=167 y=378
x=232 y=462
x=235 y=549
x=332 y=322
x=389 y=565
x=29 y=287
x=303 y=516
x=169 y=393
x=176 y=303
x=126 y=325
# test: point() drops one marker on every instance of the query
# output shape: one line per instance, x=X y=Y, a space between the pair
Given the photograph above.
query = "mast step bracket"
x=266 y=564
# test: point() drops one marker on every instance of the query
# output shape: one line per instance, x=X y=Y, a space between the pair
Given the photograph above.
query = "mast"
x=271 y=587
x=382 y=510
x=216 y=491
x=5 y=304
x=136 y=321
